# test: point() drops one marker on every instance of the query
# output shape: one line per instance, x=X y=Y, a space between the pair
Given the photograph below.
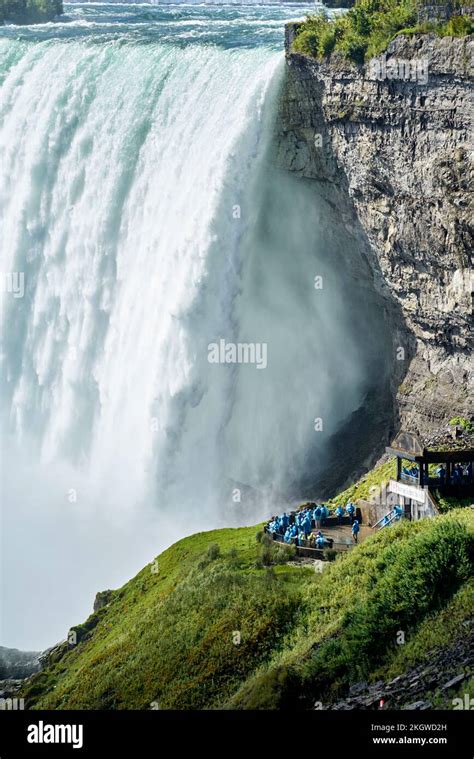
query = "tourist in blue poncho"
x=355 y=530
x=350 y=508
x=317 y=517
x=441 y=472
x=324 y=514
x=307 y=526
x=320 y=541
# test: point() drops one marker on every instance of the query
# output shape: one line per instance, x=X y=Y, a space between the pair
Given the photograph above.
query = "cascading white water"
x=137 y=200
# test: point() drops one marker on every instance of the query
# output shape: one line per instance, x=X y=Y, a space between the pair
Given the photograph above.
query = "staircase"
x=389 y=518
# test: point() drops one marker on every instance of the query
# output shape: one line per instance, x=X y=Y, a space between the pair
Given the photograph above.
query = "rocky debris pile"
x=10 y=688
x=453 y=438
x=417 y=687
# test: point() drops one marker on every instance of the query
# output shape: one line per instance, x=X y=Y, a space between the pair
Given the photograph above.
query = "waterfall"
x=141 y=211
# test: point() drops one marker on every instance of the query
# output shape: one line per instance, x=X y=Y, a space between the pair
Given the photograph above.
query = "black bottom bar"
x=424 y=734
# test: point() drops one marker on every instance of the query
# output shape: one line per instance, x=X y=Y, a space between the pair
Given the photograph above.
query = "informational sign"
x=408 y=491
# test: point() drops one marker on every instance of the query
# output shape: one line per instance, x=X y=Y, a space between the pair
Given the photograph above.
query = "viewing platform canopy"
x=455 y=463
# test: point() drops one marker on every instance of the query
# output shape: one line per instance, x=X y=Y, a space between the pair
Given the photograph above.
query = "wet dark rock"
x=415 y=688
x=357 y=688
x=9 y=688
x=102 y=598
x=54 y=654
x=454 y=681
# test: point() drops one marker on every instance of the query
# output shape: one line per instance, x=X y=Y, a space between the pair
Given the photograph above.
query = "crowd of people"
x=459 y=474
x=303 y=528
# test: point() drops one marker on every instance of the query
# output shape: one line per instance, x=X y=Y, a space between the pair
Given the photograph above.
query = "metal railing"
x=388 y=519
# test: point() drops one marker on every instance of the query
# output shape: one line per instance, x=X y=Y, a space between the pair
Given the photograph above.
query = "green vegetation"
x=363 y=488
x=367 y=28
x=392 y=581
x=169 y=635
x=381 y=474
x=448 y=503
x=432 y=634
x=458 y=26
x=29 y=11
x=465 y=424
x=271 y=552
x=210 y=624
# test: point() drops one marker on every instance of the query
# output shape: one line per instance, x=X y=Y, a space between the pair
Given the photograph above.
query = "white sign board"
x=408 y=491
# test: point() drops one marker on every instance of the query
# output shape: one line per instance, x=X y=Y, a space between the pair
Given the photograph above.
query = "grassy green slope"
x=394 y=581
x=170 y=637
x=363 y=488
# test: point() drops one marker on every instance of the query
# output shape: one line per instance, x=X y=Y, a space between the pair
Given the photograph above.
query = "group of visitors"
x=459 y=474
x=412 y=472
x=303 y=528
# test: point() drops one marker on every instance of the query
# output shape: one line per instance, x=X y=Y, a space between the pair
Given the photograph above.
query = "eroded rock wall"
x=394 y=156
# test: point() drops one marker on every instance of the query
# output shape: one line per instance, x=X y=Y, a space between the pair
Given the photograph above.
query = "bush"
x=354 y=47
x=368 y=27
x=307 y=42
x=465 y=424
x=266 y=556
x=319 y=36
x=283 y=554
x=458 y=26
x=327 y=41
x=213 y=552
x=274 y=552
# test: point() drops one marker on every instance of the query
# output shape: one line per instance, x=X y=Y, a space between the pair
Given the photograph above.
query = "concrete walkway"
x=342 y=534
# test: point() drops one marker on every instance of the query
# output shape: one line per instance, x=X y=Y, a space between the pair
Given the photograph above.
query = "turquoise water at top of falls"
x=129 y=137
x=226 y=25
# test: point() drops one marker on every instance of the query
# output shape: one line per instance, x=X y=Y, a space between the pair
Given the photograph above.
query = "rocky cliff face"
x=388 y=146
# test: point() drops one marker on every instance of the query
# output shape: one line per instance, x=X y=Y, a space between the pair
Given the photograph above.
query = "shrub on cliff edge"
x=368 y=27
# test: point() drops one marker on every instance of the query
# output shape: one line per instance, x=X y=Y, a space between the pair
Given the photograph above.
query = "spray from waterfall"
x=139 y=200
